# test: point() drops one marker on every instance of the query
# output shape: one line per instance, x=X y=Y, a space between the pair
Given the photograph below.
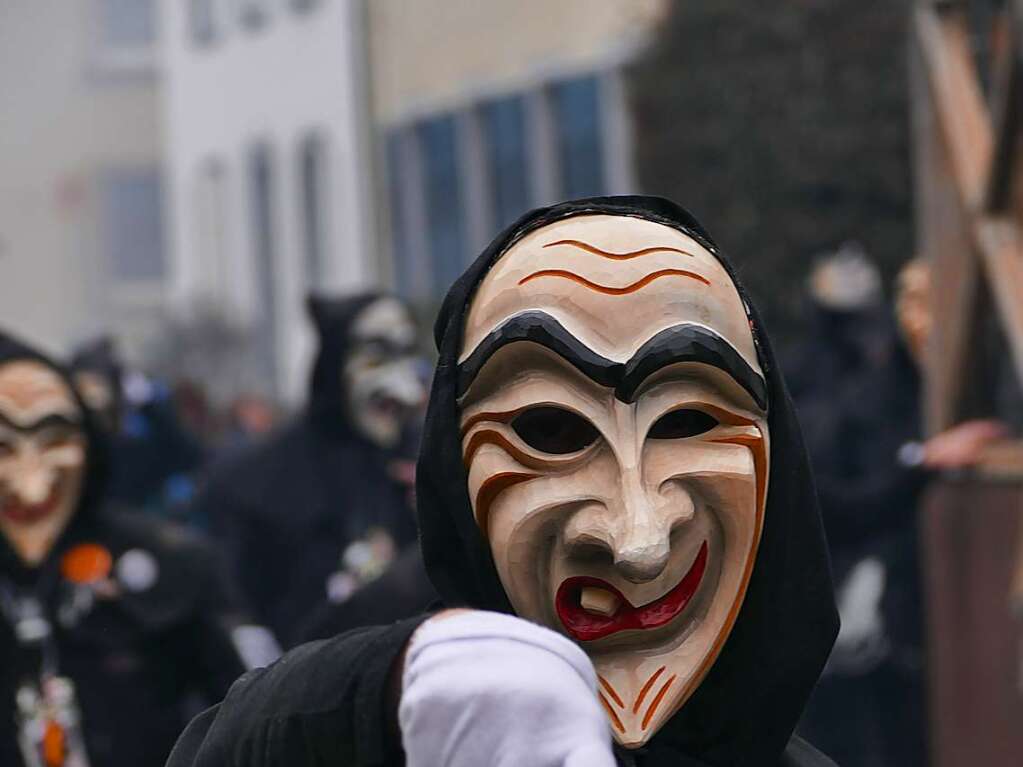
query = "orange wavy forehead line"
x=29 y=391
x=613 y=282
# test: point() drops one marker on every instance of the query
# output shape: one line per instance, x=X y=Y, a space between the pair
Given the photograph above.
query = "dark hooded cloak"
x=870 y=706
x=286 y=509
x=137 y=654
x=329 y=703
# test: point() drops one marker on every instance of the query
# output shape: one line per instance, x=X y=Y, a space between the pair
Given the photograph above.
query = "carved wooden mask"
x=381 y=385
x=42 y=456
x=613 y=414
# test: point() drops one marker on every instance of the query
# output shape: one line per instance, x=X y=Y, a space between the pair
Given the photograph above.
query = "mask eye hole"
x=682 y=423
x=554 y=430
x=58 y=439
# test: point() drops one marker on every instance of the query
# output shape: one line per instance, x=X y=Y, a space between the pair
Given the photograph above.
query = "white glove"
x=483 y=689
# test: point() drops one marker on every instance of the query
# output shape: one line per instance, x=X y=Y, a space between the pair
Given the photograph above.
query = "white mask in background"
x=615 y=437
x=382 y=386
x=42 y=456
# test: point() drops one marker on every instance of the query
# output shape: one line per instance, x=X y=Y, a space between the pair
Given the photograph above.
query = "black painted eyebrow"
x=47 y=421
x=540 y=328
x=689 y=343
x=680 y=343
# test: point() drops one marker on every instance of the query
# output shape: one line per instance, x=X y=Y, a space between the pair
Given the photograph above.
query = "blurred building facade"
x=485 y=109
x=335 y=145
x=81 y=222
x=195 y=168
x=269 y=191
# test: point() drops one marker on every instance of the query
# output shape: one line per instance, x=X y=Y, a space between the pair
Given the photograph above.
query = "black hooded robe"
x=135 y=658
x=286 y=508
x=332 y=702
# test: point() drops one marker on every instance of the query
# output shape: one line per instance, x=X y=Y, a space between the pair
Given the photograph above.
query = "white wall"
x=68 y=115
x=297 y=72
x=435 y=56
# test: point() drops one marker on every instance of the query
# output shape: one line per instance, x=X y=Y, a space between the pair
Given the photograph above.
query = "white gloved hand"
x=482 y=689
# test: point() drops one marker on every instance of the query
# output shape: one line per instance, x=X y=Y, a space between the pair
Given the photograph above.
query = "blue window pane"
x=580 y=143
x=132 y=216
x=406 y=268
x=444 y=225
x=128 y=23
x=505 y=130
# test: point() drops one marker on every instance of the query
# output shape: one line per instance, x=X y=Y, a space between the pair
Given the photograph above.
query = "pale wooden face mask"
x=42 y=456
x=614 y=432
x=379 y=377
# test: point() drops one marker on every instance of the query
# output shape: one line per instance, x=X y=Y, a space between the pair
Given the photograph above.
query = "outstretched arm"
x=466 y=686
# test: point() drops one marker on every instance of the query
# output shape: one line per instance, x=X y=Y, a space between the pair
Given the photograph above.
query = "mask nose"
x=33 y=479
x=634 y=527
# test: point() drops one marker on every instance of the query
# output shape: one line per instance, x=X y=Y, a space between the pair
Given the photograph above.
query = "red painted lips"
x=23 y=513
x=586 y=626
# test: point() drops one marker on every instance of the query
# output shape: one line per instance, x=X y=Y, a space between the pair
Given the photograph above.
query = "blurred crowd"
x=857 y=381
x=153 y=550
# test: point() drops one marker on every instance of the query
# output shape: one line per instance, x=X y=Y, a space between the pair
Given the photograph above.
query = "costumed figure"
x=617 y=509
x=152 y=456
x=863 y=432
x=108 y=621
x=868 y=708
x=322 y=507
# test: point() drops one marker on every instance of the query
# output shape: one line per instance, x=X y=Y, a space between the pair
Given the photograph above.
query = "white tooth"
x=599 y=601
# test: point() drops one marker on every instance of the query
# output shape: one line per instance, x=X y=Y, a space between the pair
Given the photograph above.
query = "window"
x=505 y=138
x=124 y=35
x=580 y=141
x=411 y=271
x=263 y=226
x=445 y=238
x=127 y=23
x=313 y=173
x=211 y=228
x=253 y=14
x=132 y=224
x=202 y=19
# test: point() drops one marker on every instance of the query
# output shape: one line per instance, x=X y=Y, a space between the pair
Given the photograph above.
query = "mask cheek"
x=68 y=457
x=719 y=478
x=523 y=513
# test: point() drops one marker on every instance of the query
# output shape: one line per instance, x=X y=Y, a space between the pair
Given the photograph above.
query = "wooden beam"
x=962 y=116
x=944 y=226
x=964 y=199
x=1001 y=246
x=1007 y=111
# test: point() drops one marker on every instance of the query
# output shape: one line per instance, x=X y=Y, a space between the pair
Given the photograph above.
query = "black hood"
x=99 y=357
x=745 y=710
x=332 y=318
x=11 y=350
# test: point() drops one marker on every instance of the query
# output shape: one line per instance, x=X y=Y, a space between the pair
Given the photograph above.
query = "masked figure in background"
x=152 y=456
x=863 y=431
x=612 y=482
x=108 y=622
x=322 y=507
